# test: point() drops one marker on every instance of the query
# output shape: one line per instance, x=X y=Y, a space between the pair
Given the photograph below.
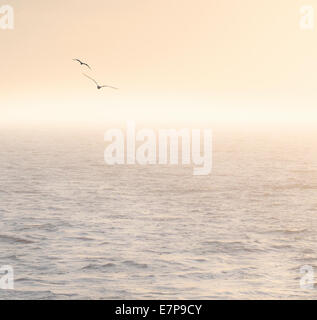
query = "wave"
x=14 y=239
x=98 y=266
x=227 y=247
x=135 y=264
x=286 y=231
x=295 y=186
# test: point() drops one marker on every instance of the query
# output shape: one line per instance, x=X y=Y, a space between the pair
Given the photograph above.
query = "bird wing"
x=109 y=87
x=85 y=64
x=77 y=60
x=91 y=79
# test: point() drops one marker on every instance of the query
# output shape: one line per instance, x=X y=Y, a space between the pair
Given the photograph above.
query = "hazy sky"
x=173 y=60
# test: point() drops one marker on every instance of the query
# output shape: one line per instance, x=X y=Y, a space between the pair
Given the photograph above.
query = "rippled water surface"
x=73 y=227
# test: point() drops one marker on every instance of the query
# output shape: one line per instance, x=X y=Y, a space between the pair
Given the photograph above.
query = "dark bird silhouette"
x=98 y=86
x=82 y=63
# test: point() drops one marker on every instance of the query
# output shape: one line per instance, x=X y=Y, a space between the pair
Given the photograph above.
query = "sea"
x=74 y=227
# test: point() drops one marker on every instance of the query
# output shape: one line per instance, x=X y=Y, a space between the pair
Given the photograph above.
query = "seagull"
x=98 y=86
x=82 y=63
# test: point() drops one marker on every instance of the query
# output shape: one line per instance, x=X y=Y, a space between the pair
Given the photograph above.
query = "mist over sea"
x=73 y=227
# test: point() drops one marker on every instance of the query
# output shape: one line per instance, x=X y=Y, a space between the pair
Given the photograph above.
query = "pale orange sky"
x=173 y=60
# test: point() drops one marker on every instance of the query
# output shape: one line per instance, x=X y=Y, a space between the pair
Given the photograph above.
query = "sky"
x=226 y=61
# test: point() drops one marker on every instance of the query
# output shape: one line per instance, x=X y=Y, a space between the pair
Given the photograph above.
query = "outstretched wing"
x=109 y=87
x=82 y=63
x=85 y=64
x=91 y=79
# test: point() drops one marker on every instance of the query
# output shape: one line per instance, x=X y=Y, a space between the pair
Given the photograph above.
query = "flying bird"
x=98 y=86
x=82 y=63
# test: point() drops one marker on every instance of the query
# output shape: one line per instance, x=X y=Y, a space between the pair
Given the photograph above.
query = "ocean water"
x=73 y=227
